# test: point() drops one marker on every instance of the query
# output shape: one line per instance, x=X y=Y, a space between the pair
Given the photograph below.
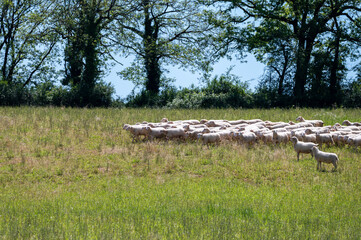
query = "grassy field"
x=74 y=174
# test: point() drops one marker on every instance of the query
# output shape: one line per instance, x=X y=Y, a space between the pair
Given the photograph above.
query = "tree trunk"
x=302 y=65
x=334 y=85
x=151 y=59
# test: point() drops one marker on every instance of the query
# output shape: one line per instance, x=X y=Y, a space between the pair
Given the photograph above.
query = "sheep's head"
x=164 y=120
x=203 y=121
x=206 y=130
x=294 y=140
x=300 y=119
x=346 y=122
x=126 y=126
x=314 y=149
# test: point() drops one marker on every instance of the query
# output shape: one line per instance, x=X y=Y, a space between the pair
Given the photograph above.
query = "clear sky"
x=249 y=71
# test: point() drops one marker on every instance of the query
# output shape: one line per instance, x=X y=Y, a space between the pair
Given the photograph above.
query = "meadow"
x=75 y=174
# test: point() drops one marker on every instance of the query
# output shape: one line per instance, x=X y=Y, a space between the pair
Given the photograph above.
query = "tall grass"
x=74 y=174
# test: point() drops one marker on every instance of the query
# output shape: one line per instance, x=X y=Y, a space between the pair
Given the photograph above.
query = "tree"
x=27 y=41
x=160 y=33
x=308 y=21
x=81 y=27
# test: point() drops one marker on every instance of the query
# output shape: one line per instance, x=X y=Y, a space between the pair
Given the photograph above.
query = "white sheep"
x=154 y=133
x=325 y=157
x=248 y=138
x=316 y=123
x=348 y=123
x=324 y=138
x=302 y=147
x=355 y=141
x=281 y=137
x=136 y=131
x=193 y=134
x=308 y=137
x=173 y=133
x=208 y=138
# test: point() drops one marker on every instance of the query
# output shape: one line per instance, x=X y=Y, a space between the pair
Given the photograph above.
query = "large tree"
x=82 y=25
x=159 y=33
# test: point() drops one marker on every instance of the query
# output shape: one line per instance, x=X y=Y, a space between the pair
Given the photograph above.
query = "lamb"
x=324 y=157
x=302 y=147
x=316 y=123
x=324 y=138
x=208 y=138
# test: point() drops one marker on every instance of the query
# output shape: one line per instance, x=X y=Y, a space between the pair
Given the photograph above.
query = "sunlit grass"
x=74 y=173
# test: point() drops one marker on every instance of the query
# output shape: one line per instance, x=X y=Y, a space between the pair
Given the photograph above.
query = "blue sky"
x=249 y=70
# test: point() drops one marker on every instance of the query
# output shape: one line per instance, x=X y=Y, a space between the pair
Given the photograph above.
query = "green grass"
x=74 y=174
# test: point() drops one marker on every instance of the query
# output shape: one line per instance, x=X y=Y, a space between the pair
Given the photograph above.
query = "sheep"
x=208 y=138
x=248 y=138
x=348 y=123
x=308 y=137
x=194 y=133
x=154 y=133
x=302 y=147
x=265 y=136
x=355 y=141
x=172 y=133
x=226 y=134
x=317 y=130
x=280 y=137
x=316 y=123
x=217 y=123
x=281 y=125
x=324 y=138
x=325 y=157
x=136 y=131
x=297 y=134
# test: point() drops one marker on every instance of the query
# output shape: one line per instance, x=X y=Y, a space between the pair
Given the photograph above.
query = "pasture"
x=75 y=174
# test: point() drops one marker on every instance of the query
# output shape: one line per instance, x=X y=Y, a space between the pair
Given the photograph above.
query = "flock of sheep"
x=306 y=135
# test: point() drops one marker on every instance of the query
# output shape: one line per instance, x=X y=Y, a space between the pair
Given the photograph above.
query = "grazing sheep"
x=302 y=147
x=208 y=138
x=316 y=123
x=324 y=157
x=324 y=138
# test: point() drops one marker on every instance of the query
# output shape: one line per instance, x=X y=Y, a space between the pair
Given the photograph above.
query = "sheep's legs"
x=298 y=156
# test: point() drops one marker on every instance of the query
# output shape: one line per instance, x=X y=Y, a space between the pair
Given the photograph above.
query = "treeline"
x=57 y=52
